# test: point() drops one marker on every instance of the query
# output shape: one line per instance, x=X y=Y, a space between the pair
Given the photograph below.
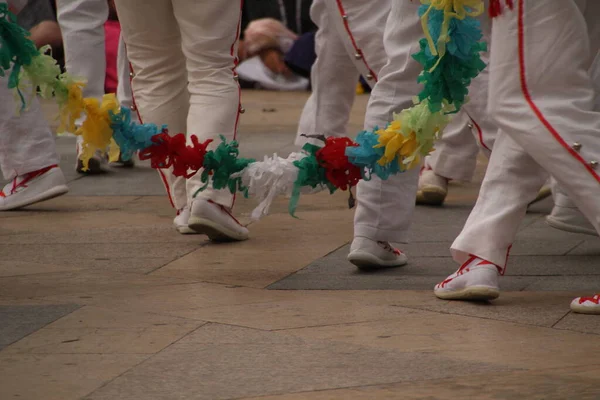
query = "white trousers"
x=349 y=43
x=82 y=26
x=26 y=141
x=471 y=131
x=542 y=99
x=183 y=54
x=385 y=208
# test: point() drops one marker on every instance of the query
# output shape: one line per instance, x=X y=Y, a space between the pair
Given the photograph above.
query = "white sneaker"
x=181 y=222
x=570 y=219
x=33 y=187
x=432 y=189
x=96 y=165
x=369 y=254
x=120 y=163
x=216 y=222
x=476 y=279
x=586 y=305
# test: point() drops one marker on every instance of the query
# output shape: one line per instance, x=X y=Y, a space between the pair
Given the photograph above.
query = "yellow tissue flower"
x=73 y=108
x=396 y=144
x=96 y=130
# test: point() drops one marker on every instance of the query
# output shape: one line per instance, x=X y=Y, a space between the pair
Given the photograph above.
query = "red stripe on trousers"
x=480 y=134
x=137 y=110
x=356 y=49
x=530 y=101
x=235 y=64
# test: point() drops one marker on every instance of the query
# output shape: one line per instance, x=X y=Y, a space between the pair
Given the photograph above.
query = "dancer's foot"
x=432 y=189
x=586 y=305
x=570 y=219
x=369 y=254
x=96 y=165
x=36 y=186
x=120 y=163
x=180 y=222
x=476 y=279
x=216 y=221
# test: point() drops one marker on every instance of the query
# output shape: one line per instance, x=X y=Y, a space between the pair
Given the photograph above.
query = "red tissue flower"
x=172 y=151
x=338 y=170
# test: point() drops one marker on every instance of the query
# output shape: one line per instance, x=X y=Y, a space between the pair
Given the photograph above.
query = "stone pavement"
x=100 y=299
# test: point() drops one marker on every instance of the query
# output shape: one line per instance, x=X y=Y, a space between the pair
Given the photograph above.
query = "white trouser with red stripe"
x=471 y=131
x=542 y=99
x=385 y=208
x=124 y=93
x=182 y=55
x=82 y=26
x=26 y=141
x=349 y=43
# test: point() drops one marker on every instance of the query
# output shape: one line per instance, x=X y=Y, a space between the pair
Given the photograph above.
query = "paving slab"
x=18 y=321
x=556 y=384
x=225 y=362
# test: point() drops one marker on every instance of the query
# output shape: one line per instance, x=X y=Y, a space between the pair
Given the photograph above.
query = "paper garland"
x=449 y=54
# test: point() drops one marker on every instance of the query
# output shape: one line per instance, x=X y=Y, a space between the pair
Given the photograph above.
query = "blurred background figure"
x=91 y=33
x=277 y=47
x=39 y=18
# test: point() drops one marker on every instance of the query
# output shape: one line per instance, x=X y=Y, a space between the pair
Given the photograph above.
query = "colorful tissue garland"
x=33 y=70
x=449 y=54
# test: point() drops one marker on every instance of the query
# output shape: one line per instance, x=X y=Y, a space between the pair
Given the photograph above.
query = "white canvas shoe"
x=432 y=189
x=215 y=221
x=476 y=279
x=181 y=222
x=40 y=185
x=97 y=164
x=570 y=219
x=586 y=305
x=369 y=254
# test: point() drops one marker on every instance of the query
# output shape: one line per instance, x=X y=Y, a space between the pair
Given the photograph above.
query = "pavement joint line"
x=508 y=370
x=150 y=356
x=483 y=317
x=80 y=306
x=176 y=258
x=574 y=247
x=561 y=318
x=341 y=323
x=306 y=266
x=85 y=396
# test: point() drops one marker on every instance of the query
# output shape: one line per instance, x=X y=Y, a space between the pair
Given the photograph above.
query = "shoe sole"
x=122 y=164
x=215 y=232
x=185 y=230
x=556 y=224
x=471 y=293
x=431 y=196
x=368 y=262
x=580 y=309
x=47 y=195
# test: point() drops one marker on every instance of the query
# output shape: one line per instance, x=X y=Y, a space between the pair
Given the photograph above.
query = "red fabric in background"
x=112 y=32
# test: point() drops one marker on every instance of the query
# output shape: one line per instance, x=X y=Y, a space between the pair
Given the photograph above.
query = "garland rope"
x=450 y=57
